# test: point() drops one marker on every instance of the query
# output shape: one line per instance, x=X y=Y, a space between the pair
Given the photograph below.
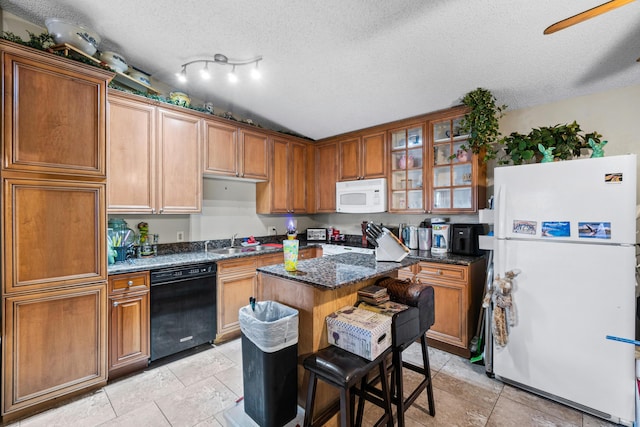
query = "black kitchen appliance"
x=464 y=238
x=183 y=308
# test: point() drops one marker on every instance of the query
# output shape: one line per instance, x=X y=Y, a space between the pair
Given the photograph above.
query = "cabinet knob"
x=439 y=272
x=161 y=210
x=237 y=174
x=153 y=211
x=115 y=303
x=130 y=283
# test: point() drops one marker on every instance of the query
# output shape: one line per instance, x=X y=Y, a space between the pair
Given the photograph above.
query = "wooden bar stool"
x=422 y=297
x=344 y=370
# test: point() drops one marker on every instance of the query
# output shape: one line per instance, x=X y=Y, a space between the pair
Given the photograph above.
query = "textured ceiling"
x=333 y=66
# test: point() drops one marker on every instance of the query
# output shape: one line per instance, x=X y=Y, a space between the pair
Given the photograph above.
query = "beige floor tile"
x=508 y=412
x=589 y=421
x=232 y=378
x=486 y=397
x=87 y=411
x=210 y=422
x=437 y=358
x=196 y=403
x=541 y=404
x=461 y=368
x=199 y=366
x=148 y=415
x=451 y=410
x=137 y=390
x=233 y=350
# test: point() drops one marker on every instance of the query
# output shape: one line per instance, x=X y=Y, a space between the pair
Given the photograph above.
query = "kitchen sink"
x=236 y=250
x=226 y=251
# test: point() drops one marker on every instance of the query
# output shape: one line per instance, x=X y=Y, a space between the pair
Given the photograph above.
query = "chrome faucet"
x=233 y=239
x=206 y=245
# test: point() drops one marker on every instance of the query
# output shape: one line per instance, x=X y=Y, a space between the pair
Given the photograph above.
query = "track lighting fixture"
x=221 y=59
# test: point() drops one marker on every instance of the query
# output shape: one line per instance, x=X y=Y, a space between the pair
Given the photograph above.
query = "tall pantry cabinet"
x=53 y=205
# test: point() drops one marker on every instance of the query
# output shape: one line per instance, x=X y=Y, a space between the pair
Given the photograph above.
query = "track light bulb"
x=204 y=73
x=233 y=77
x=182 y=75
x=255 y=73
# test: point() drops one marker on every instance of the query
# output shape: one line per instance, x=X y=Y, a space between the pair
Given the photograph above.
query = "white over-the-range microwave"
x=362 y=196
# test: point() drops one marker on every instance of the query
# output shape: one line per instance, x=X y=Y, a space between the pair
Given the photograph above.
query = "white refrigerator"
x=569 y=229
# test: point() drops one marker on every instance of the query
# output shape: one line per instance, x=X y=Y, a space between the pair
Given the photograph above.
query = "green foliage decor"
x=481 y=123
x=566 y=141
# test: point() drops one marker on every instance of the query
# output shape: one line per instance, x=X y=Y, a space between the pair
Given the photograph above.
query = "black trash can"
x=269 y=362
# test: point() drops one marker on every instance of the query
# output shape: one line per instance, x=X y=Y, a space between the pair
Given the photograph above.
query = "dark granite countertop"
x=198 y=256
x=447 y=258
x=161 y=261
x=335 y=271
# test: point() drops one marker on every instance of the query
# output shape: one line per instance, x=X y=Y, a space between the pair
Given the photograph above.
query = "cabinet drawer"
x=307 y=253
x=128 y=282
x=436 y=271
x=271 y=259
x=236 y=266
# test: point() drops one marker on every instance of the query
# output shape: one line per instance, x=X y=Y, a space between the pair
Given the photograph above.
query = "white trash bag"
x=271 y=326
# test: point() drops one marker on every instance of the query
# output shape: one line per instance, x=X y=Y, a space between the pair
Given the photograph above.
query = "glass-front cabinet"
x=454 y=170
x=407 y=169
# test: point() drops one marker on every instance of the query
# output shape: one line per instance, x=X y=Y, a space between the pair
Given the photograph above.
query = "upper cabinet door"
x=132 y=151
x=458 y=177
x=363 y=157
x=325 y=178
x=374 y=156
x=298 y=177
x=220 y=149
x=53 y=114
x=254 y=155
x=349 y=150
x=180 y=166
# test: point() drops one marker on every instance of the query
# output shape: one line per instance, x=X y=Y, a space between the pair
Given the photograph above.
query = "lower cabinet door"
x=55 y=344
x=450 y=304
x=128 y=330
x=233 y=293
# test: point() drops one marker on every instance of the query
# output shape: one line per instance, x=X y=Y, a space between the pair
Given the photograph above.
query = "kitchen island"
x=319 y=287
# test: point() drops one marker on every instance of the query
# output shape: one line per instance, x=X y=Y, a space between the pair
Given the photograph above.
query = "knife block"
x=390 y=249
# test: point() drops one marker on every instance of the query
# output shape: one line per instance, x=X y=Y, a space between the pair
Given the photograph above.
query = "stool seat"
x=345 y=370
x=338 y=366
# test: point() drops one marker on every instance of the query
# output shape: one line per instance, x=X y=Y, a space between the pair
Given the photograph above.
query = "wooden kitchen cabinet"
x=406 y=184
x=129 y=322
x=326 y=177
x=458 y=177
x=54 y=344
x=54 y=264
x=458 y=292
x=237 y=282
x=53 y=113
x=287 y=189
x=235 y=152
x=363 y=157
x=154 y=158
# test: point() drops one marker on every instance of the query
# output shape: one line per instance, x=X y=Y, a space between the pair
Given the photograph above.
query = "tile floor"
x=197 y=391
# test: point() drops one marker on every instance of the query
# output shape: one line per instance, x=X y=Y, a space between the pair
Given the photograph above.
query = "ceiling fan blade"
x=587 y=14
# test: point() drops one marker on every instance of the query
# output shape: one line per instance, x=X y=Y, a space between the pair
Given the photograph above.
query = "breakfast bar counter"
x=319 y=287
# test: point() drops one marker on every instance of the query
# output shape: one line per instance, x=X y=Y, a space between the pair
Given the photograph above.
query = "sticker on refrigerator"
x=594 y=230
x=556 y=229
x=613 y=177
x=525 y=227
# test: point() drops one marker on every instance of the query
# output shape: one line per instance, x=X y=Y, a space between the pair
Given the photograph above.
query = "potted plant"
x=481 y=123
x=565 y=140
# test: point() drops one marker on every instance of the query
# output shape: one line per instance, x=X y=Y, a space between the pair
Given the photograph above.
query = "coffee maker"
x=440 y=239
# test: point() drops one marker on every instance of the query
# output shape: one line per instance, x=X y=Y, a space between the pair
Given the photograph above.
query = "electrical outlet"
x=180 y=236
x=272 y=231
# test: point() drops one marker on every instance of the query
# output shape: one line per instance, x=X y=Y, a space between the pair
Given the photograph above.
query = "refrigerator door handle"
x=501 y=218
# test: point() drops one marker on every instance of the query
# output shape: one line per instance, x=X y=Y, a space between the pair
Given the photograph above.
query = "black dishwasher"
x=183 y=308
